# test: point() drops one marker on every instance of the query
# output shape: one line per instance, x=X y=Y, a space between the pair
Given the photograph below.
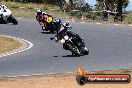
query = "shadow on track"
x=44 y=32
x=7 y=24
x=70 y=56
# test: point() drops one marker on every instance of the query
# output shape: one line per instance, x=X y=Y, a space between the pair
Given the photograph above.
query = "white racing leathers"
x=1 y=11
x=5 y=15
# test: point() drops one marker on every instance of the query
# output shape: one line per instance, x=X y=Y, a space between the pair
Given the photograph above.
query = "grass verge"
x=8 y=44
x=128 y=18
x=28 y=10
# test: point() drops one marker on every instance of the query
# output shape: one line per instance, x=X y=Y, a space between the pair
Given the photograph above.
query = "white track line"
x=129 y=25
x=67 y=21
x=98 y=23
x=37 y=75
x=116 y=24
x=19 y=18
x=30 y=45
x=83 y=22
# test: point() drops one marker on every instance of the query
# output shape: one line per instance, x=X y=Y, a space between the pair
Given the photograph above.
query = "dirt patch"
x=11 y=45
x=8 y=44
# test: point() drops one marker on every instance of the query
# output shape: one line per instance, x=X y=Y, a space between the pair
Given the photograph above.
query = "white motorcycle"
x=6 y=16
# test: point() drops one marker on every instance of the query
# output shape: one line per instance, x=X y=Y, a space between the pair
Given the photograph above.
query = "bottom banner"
x=83 y=77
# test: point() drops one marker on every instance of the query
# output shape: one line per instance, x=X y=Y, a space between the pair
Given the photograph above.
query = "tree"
x=77 y=4
x=111 y=3
x=114 y=5
x=71 y=2
x=125 y=3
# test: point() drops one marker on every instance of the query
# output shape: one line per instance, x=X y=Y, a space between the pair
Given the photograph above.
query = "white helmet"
x=3 y=6
x=38 y=10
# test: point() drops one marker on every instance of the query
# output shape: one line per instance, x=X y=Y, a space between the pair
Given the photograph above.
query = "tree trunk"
x=106 y=5
x=119 y=8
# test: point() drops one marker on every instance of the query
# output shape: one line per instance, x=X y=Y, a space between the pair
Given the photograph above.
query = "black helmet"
x=58 y=21
x=66 y=24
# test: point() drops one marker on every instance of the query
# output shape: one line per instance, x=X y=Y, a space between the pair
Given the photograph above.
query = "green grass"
x=8 y=44
x=128 y=19
x=28 y=5
x=23 y=13
x=29 y=10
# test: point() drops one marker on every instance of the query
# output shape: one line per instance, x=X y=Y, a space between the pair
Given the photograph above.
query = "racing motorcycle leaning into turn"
x=45 y=20
x=71 y=41
x=6 y=16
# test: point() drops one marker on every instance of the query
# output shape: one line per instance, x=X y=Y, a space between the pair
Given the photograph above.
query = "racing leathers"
x=42 y=19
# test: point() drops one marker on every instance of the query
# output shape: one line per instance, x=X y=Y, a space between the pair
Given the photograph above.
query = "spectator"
x=105 y=15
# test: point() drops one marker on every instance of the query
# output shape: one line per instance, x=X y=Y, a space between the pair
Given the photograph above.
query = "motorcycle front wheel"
x=85 y=51
x=74 y=49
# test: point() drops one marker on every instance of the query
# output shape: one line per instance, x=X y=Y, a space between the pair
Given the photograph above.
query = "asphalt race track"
x=110 y=48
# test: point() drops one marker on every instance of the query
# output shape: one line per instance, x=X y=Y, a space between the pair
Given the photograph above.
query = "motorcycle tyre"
x=12 y=19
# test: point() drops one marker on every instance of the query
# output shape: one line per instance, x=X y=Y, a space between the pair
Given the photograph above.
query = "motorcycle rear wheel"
x=2 y=21
x=12 y=19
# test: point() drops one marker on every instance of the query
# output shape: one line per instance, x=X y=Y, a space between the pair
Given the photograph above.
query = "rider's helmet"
x=58 y=24
x=38 y=11
x=66 y=24
x=58 y=21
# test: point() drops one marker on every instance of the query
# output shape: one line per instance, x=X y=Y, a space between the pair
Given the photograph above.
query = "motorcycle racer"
x=71 y=41
x=1 y=10
x=5 y=10
x=6 y=16
x=45 y=20
x=1 y=14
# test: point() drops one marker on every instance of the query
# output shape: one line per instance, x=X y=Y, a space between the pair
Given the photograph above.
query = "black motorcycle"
x=71 y=42
x=53 y=26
